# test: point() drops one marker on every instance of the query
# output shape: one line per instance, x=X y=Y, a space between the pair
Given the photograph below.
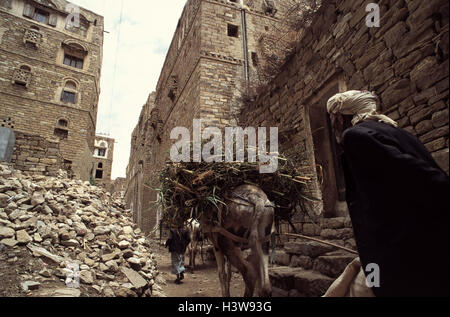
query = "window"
x=62 y=134
x=69 y=93
x=73 y=61
x=101 y=152
x=68 y=96
x=63 y=123
x=32 y=37
x=98 y=174
x=41 y=16
x=100 y=165
x=22 y=76
x=74 y=54
x=255 y=59
x=233 y=30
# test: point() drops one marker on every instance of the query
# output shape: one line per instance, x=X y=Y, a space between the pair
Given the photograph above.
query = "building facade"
x=211 y=60
x=102 y=161
x=50 y=66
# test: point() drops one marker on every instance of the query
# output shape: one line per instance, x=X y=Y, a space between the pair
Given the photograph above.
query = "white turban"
x=362 y=105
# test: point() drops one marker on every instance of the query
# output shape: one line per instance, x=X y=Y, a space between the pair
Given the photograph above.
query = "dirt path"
x=203 y=283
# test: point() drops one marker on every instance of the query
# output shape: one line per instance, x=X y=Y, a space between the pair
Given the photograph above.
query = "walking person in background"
x=397 y=198
x=177 y=242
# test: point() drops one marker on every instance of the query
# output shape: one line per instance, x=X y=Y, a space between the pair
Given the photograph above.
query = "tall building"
x=103 y=159
x=213 y=57
x=50 y=65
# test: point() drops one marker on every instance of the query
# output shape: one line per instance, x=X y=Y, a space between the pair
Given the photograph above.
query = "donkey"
x=247 y=221
x=195 y=233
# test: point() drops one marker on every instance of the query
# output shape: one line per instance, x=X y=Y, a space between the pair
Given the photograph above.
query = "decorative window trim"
x=74 y=51
x=72 y=45
x=22 y=76
x=33 y=36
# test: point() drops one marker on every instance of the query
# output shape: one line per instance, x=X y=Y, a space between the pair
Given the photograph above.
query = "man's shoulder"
x=368 y=129
x=359 y=131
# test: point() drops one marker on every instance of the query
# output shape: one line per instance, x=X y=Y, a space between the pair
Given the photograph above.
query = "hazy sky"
x=138 y=51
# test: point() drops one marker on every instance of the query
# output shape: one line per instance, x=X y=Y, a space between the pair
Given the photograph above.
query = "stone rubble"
x=78 y=230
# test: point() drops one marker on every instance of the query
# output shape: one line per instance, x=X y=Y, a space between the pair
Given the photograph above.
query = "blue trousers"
x=177 y=263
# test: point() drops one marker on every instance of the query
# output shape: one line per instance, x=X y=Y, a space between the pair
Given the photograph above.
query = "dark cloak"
x=399 y=204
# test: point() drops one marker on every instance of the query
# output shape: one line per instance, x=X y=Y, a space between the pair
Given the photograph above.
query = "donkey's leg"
x=247 y=271
x=193 y=253
x=228 y=276
x=261 y=264
x=220 y=260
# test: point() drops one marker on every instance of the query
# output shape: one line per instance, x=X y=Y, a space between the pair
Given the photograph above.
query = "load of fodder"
x=196 y=190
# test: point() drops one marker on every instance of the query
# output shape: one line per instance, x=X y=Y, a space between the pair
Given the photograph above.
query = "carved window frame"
x=22 y=75
x=33 y=36
x=74 y=51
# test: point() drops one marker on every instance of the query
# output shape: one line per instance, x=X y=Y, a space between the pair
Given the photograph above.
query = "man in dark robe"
x=397 y=197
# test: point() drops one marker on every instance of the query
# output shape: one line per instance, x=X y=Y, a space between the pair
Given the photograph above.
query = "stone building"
x=102 y=161
x=211 y=60
x=50 y=65
x=404 y=61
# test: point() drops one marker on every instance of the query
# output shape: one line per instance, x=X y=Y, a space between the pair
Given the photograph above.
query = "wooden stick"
x=183 y=187
x=319 y=241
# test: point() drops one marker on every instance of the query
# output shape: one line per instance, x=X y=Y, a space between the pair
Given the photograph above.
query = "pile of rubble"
x=83 y=235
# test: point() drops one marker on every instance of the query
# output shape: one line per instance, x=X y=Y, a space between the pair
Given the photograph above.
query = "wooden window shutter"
x=53 y=19
x=28 y=11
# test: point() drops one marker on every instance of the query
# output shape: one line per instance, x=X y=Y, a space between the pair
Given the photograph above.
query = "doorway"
x=326 y=152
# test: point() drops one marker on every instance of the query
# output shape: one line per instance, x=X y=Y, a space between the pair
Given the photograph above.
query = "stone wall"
x=37 y=107
x=404 y=61
x=36 y=155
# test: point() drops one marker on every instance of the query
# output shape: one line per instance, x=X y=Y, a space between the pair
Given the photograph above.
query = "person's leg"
x=177 y=266
x=175 y=259
x=182 y=268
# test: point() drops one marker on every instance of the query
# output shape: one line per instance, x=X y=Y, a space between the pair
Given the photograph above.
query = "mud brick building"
x=102 y=161
x=212 y=57
x=49 y=79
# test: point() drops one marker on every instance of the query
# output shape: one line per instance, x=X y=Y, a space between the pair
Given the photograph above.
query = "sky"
x=134 y=51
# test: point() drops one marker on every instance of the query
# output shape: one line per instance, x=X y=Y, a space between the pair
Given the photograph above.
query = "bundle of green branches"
x=196 y=190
